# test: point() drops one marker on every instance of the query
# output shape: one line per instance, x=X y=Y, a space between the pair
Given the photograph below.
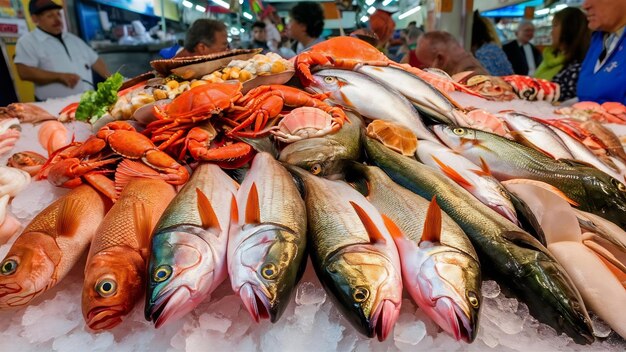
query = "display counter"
x=130 y=60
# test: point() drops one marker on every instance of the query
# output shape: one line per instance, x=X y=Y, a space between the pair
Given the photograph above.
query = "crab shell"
x=198 y=66
x=394 y=136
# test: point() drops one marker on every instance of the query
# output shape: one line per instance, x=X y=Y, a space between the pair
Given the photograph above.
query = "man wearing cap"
x=59 y=63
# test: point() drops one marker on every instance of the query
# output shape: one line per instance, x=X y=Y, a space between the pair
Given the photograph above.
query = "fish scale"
x=118 y=227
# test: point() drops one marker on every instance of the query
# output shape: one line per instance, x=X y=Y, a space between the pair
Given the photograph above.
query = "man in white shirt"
x=524 y=57
x=57 y=62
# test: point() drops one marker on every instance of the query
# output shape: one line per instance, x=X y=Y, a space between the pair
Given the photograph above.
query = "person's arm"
x=41 y=77
x=101 y=68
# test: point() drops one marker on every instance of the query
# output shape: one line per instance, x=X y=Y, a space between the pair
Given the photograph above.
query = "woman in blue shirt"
x=486 y=50
x=603 y=72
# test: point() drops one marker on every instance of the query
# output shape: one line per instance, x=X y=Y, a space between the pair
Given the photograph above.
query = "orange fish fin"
x=484 y=168
x=207 y=214
x=68 y=218
x=543 y=185
x=346 y=101
x=253 y=213
x=451 y=173
x=432 y=224
x=394 y=230
x=143 y=224
x=129 y=169
x=234 y=210
x=372 y=231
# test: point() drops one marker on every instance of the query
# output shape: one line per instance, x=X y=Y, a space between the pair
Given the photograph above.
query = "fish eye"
x=473 y=299
x=106 y=288
x=620 y=186
x=459 y=131
x=8 y=267
x=360 y=294
x=269 y=271
x=329 y=79
x=316 y=169
x=162 y=273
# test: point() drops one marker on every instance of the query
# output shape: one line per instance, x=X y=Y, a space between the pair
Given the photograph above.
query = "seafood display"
x=227 y=178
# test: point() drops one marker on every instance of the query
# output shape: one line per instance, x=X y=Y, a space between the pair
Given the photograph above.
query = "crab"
x=394 y=136
x=489 y=87
x=529 y=88
x=88 y=161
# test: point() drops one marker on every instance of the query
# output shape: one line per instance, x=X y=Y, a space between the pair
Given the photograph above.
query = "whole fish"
x=116 y=266
x=188 y=252
x=512 y=255
x=440 y=268
x=476 y=180
x=267 y=241
x=50 y=245
x=536 y=135
x=327 y=155
x=612 y=142
x=353 y=254
x=428 y=98
x=354 y=91
x=582 y=153
x=593 y=190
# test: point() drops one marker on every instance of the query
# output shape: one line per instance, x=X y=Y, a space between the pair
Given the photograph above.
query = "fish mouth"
x=170 y=307
x=507 y=213
x=104 y=318
x=256 y=302
x=384 y=319
x=458 y=323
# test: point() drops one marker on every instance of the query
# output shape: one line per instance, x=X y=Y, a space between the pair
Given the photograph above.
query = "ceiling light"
x=542 y=12
x=365 y=19
x=200 y=8
x=371 y=10
x=222 y=3
x=247 y=15
x=387 y=2
x=409 y=12
x=369 y=2
x=187 y=4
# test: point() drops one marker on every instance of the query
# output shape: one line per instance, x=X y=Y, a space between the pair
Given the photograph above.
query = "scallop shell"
x=198 y=66
x=394 y=136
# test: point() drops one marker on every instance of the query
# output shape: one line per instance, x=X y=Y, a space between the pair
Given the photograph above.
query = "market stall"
x=312 y=318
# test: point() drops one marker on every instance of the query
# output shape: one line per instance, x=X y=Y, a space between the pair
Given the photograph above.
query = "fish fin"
x=129 y=169
x=519 y=137
x=432 y=223
x=613 y=263
x=576 y=163
x=253 y=213
x=451 y=173
x=394 y=230
x=234 y=210
x=143 y=224
x=372 y=231
x=207 y=214
x=484 y=168
x=346 y=101
x=68 y=220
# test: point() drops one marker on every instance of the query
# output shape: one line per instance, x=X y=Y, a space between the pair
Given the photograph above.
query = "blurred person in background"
x=205 y=36
x=411 y=57
x=523 y=56
x=259 y=37
x=273 y=27
x=603 y=73
x=58 y=63
x=486 y=47
x=562 y=60
x=383 y=25
x=441 y=50
x=306 y=24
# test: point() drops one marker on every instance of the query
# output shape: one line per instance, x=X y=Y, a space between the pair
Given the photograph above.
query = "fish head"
x=181 y=272
x=451 y=295
x=456 y=138
x=269 y=264
x=326 y=156
x=608 y=194
x=114 y=280
x=328 y=81
x=368 y=287
x=28 y=269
